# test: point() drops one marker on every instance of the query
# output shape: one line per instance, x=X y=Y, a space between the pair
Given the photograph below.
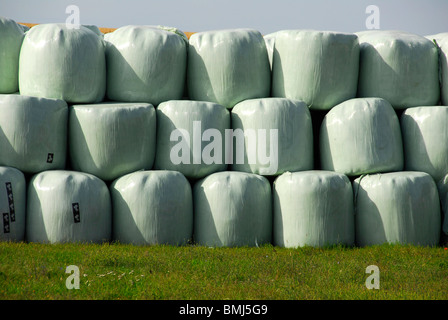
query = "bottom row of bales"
x=315 y=208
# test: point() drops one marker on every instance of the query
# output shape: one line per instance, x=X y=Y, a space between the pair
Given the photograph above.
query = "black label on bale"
x=50 y=157
x=6 y=223
x=76 y=216
x=12 y=211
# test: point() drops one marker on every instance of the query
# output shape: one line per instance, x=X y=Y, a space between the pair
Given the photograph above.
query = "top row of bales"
x=154 y=64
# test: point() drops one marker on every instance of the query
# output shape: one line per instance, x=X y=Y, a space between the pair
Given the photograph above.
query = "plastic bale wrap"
x=152 y=207
x=278 y=136
x=33 y=133
x=68 y=206
x=145 y=63
x=62 y=63
x=361 y=136
x=11 y=37
x=438 y=36
x=12 y=204
x=269 y=40
x=313 y=208
x=112 y=139
x=191 y=137
x=443 y=45
x=442 y=186
x=425 y=140
x=399 y=67
x=398 y=207
x=228 y=66
x=95 y=29
x=318 y=67
x=232 y=209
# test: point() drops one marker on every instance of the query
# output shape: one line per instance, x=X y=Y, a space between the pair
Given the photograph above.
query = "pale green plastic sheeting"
x=11 y=35
x=145 y=64
x=33 y=133
x=232 y=209
x=191 y=137
x=313 y=208
x=68 y=206
x=62 y=63
x=400 y=67
x=318 y=67
x=112 y=139
x=361 y=135
x=12 y=204
x=442 y=186
x=152 y=207
x=281 y=127
x=95 y=29
x=425 y=140
x=398 y=207
x=269 y=39
x=228 y=66
x=443 y=44
x=438 y=36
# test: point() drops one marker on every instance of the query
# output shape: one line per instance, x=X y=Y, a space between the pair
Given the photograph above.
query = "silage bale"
x=443 y=45
x=437 y=37
x=278 y=136
x=397 y=207
x=228 y=66
x=33 y=133
x=191 y=137
x=11 y=37
x=68 y=206
x=63 y=63
x=12 y=204
x=112 y=139
x=145 y=64
x=361 y=136
x=318 y=67
x=425 y=140
x=232 y=209
x=152 y=207
x=400 y=67
x=313 y=208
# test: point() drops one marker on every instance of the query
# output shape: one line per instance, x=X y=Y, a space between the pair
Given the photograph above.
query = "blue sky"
x=417 y=16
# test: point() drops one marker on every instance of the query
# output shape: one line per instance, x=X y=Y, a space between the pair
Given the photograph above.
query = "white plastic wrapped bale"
x=399 y=67
x=443 y=44
x=63 y=63
x=228 y=66
x=442 y=186
x=191 y=137
x=12 y=204
x=361 y=136
x=11 y=37
x=272 y=136
x=232 y=209
x=438 y=36
x=152 y=207
x=68 y=206
x=95 y=29
x=313 y=208
x=425 y=140
x=33 y=133
x=398 y=207
x=145 y=63
x=318 y=67
x=112 y=139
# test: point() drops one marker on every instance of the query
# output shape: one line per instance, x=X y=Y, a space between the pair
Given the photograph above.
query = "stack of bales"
x=146 y=137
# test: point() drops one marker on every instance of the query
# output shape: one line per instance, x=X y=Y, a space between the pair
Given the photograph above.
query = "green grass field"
x=115 y=271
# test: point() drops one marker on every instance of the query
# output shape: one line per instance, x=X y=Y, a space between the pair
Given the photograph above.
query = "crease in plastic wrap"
x=425 y=140
x=11 y=37
x=318 y=67
x=146 y=64
x=33 y=133
x=442 y=186
x=443 y=55
x=313 y=208
x=152 y=207
x=62 y=63
x=398 y=207
x=112 y=139
x=228 y=66
x=191 y=137
x=400 y=67
x=12 y=204
x=278 y=136
x=232 y=209
x=360 y=136
x=68 y=206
